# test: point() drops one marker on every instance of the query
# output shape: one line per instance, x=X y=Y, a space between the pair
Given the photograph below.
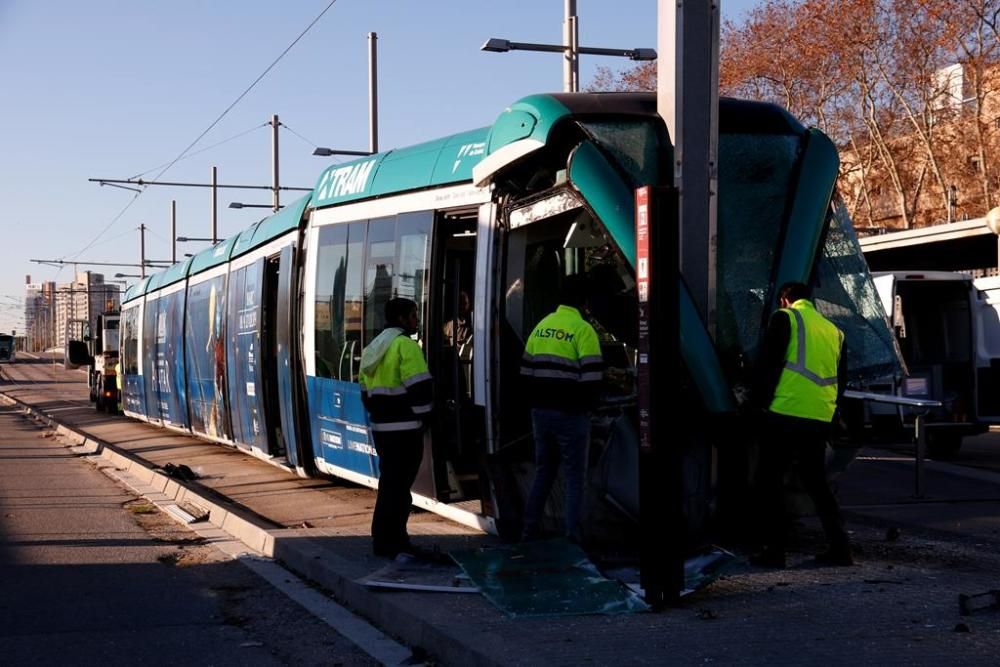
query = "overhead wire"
x=183 y=153
x=247 y=91
x=206 y=148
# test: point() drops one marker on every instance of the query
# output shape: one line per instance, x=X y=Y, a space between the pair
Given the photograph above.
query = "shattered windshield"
x=755 y=185
x=633 y=144
x=843 y=291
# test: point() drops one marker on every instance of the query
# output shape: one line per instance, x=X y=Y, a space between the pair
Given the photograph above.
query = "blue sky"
x=116 y=88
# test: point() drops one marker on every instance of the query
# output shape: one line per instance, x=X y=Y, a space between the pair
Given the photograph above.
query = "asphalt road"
x=92 y=575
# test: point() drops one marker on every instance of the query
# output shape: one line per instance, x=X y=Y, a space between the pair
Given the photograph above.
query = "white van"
x=948 y=331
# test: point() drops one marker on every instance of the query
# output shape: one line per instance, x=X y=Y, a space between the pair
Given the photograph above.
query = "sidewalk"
x=900 y=605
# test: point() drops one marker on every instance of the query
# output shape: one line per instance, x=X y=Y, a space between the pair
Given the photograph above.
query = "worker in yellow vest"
x=798 y=384
x=396 y=388
x=562 y=367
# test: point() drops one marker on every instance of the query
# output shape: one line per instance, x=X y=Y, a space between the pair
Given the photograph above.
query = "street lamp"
x=127 y=275
x=570 y=48
x=185 y=239
x=238 y=204
x=322 y=151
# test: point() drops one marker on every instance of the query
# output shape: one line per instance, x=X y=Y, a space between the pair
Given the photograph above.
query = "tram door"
x=274 y=350
x=458 y=434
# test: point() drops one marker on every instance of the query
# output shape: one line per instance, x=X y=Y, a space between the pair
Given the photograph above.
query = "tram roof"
x=258 y=234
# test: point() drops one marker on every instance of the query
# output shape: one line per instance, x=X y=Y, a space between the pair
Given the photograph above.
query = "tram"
x=256 y=342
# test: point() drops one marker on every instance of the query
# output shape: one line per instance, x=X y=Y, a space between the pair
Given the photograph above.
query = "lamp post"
x=570 y=47
x=322 y=151
x=239 y=204
x=186 y=239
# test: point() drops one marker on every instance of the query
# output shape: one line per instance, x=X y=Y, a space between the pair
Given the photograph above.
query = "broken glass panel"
x=844 y=292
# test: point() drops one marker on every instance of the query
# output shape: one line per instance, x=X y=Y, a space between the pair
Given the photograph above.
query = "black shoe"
x=836 y=557
x=768 y=558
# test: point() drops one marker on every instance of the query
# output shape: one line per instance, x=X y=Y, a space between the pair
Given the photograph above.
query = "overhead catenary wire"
x=206 y=148
x=184 y=152
x=247 y=91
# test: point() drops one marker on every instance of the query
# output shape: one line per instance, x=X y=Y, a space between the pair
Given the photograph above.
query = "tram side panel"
x=246 y=409
x=205 y=353
x=133 y=387
x=150 y=344
x=338 y=420
x=170 y=367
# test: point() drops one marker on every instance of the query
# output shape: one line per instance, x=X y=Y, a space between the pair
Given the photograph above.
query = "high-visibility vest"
x=398 y=392
x=562 y=362
x=807 y=387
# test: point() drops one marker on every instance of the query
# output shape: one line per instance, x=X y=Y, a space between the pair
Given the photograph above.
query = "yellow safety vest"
x=398 y=392
x=562 y=362
x=807 y=387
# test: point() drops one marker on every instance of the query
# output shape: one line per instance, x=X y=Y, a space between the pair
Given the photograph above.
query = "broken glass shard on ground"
x=699 y=571
x=545 y=578
x=415 y=574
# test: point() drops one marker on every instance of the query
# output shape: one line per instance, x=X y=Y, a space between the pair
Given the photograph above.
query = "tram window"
x=380 y=255
x=331 y=283
x=413 y=236
x=338 y=300
x=130 y=342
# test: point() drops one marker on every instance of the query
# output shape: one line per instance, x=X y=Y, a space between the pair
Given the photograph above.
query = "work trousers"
x=559 y=436
x=800 y=444
x=399 y=455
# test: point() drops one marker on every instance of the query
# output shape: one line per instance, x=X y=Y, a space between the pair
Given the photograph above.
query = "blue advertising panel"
x=150 y=337
x=133 y=393
x=245 y=393
x=205 y=353
x=170 y=359
x=340 y=426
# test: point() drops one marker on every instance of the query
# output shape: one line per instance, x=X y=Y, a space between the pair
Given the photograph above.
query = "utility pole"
x=571 y=40
x=215 y=205
x=372 y=92
x=142 y=250
x=173 y=230
x=569 y=48
x=275 y=203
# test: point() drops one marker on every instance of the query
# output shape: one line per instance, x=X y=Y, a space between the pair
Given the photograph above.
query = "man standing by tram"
x=562 y=365
x=397 y=391
x=799 y=381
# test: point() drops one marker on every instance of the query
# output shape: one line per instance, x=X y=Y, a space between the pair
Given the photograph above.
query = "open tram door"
x=278 y=339
x=454 y=458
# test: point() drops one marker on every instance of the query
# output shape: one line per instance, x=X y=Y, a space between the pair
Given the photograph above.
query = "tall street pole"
x=142 y=250
x=215 y=205
x=372 y=92
x=173 y=230
x=571 y=40
x=275 y=201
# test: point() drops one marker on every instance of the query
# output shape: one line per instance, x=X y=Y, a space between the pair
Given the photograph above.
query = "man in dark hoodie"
x=397 y=391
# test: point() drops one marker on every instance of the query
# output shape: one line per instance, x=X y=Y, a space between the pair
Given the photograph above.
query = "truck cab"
x=98 y=352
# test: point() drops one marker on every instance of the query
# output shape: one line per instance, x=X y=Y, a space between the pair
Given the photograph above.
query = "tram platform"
x=900 y=604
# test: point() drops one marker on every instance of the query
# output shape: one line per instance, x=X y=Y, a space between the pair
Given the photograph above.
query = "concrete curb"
x=300 y=554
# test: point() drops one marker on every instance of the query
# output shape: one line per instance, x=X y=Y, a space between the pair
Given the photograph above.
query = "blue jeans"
x=558 y=436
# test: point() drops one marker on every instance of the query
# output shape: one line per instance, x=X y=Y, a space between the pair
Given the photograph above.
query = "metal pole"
x=275 y=202
x=570 y=35
x=215 y=205
x=688 y=101
x=173 y=230
x=918 y=477
x=373 y=92
x=142 y=250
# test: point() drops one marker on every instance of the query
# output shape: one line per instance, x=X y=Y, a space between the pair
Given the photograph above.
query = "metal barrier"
x=921 y=407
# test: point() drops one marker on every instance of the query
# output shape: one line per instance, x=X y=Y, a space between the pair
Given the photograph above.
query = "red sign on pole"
x=642 y=274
